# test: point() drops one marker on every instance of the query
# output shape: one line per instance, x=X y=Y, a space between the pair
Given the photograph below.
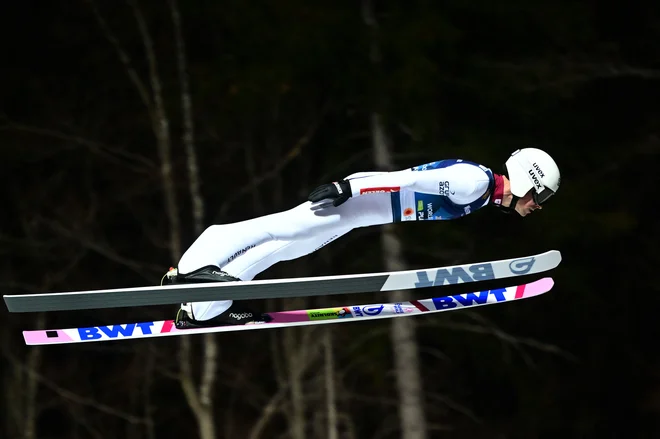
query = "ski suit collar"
x=498 y=191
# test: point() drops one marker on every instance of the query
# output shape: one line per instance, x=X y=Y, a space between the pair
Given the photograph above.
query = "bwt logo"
x=469 y=299
x=114 y=331
x=456 y=275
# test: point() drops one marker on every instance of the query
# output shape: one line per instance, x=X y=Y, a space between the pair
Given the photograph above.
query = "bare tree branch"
x=267 y=412
x=73 y=397
x=186 y=376
x=447 y=401
x=104 y=250
x=277 y=168
x=77 y=413
x=123 y=57
x=298 y=362
x=134 y=162
x=570 y=70
x=350 y=426
x=515 y=341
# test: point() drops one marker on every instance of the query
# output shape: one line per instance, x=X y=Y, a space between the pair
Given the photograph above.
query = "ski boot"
x=210 y=273
x=236 y=314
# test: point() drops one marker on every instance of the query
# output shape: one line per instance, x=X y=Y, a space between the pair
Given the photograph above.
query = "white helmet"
x=532 y=168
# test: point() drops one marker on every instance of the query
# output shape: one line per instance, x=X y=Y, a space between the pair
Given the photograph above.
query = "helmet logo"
x=535 y=179
x=539 y=170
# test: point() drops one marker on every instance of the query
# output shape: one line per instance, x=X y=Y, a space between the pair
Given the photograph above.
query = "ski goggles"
x=543 y=196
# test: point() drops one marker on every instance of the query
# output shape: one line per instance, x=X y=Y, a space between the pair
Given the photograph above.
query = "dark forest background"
x=98 y=97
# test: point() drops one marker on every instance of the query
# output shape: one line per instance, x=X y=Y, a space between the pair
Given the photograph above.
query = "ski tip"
x=539 y=287
x=556 y=257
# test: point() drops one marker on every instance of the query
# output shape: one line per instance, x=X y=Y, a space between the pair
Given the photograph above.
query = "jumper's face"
x=526 y=204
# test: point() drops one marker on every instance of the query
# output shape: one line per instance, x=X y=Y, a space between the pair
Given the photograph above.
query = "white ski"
x=281 y=288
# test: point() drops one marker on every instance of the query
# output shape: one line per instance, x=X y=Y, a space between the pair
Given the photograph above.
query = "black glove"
x=339 y=191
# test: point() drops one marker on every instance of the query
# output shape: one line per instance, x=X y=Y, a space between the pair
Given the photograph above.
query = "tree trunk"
x=32 y=386
x=296 y=353
x=188 y=137
x=330 y=398
x=406 y=355
x=202 y=400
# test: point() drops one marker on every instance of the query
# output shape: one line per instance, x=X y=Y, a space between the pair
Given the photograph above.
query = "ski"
x=344 y=314
x=283 y=288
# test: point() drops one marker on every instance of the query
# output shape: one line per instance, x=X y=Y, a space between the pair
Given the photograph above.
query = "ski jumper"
x=441 y=190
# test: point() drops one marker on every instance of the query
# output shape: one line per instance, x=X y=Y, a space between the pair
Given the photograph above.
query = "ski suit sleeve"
x=462 y=183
